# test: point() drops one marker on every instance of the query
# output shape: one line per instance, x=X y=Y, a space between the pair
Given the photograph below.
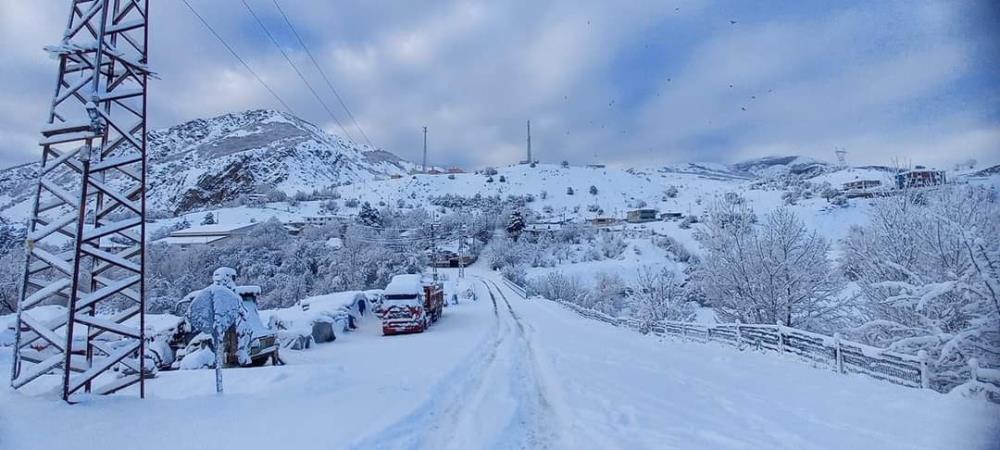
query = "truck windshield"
x=401 y=297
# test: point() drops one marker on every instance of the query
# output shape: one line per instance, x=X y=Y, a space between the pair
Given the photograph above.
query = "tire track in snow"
x=534 y=422
x=492 y=399
x=444 y=401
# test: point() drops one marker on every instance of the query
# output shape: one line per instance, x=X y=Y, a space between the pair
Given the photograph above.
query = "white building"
x=209 y=235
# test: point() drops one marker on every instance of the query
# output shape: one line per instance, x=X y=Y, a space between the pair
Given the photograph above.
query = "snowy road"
x=496 y=400
x=505 y=372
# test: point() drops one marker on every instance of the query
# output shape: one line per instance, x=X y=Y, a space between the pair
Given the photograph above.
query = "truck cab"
x=410 y=304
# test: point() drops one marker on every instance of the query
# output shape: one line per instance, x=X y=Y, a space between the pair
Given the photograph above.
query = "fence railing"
x=518 y=289
x=839 y=354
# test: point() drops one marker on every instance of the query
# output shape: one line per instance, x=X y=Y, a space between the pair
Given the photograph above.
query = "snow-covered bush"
x=657 y=295
x=672 y=246
x=612 y=245
x=558 y=286
x=928 y=267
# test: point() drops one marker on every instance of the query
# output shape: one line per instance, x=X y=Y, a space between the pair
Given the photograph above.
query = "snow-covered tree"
x=928 y=267
x=657 y=295
x=593 y=190
x=777 y=272
x=369 y=216
x=515 y=225
x=11 y=267
x=209 y=219
x=569 y=190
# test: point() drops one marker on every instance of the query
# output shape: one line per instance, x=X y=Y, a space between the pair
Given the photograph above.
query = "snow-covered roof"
x=190 y=240
x=404 y=285
x=216 y=229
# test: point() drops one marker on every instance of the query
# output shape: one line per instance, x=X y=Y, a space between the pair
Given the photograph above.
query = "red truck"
x=410 y=305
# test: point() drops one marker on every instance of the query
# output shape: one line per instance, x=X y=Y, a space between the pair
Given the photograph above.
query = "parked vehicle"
x=263 y=341
x=410 y=305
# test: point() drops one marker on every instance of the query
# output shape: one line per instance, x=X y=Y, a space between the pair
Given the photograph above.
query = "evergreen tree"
x=369 y=216
x=569 y=191
x=593 y=190
x=209 y=219
x=516 y=225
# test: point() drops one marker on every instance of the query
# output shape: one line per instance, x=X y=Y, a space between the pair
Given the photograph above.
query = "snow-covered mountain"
x=210 y=161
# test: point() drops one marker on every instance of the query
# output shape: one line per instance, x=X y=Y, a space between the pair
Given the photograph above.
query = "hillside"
x=206 y=162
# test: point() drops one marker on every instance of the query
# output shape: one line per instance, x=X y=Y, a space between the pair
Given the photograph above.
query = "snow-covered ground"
x=503 y=372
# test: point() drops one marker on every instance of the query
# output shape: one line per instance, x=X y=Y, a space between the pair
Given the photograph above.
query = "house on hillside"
x=603 y=222
x=861 y=185
x=207 y=235
x=320 y=221
x=920 y=177
x=671 y=215
x=543 y=227
x=861 y=188
x=642 y=215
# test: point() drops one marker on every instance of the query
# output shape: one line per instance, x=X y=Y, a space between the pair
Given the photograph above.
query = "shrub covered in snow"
x=928 y=266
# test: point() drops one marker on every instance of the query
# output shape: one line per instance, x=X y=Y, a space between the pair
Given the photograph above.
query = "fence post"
x=838 y=352
x=739 y=336
x=781 y=338
x=925 y=378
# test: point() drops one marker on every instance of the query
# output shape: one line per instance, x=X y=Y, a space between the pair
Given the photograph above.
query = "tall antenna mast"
x=94 y=142
x=425 y=149
x=529 y=141
x=841 y=157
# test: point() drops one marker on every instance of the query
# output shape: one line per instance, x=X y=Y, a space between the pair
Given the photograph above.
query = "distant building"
x=207 y=235
x=641 y=215
x=319 y=221
x=596 y=166
x=543 y=227
x=604 y=222
x=919 y=177
x=455 y=170
x=395 y=176
x=671 y=215
x=861 y=185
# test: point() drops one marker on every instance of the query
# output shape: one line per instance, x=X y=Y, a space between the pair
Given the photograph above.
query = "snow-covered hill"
x=206 y=162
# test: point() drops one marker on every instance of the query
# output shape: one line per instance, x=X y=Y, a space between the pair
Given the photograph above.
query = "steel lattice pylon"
x=85 y=247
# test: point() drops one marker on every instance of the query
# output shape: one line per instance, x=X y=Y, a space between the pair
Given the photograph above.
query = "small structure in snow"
x=641 y=215
x=209 y=235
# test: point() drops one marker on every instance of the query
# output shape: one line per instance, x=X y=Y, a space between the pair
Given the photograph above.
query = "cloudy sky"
x=623 y=82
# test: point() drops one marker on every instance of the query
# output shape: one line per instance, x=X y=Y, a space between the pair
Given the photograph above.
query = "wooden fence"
x=839 y=354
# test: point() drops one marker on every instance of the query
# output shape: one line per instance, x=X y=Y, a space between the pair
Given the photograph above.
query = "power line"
x=296 y=69
x=322 y=73
x=237 y=56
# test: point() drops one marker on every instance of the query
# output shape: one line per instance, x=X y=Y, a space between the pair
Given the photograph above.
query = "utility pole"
x=529 y=142
x=425 y=149
x=434 y=251
x=461 y=253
